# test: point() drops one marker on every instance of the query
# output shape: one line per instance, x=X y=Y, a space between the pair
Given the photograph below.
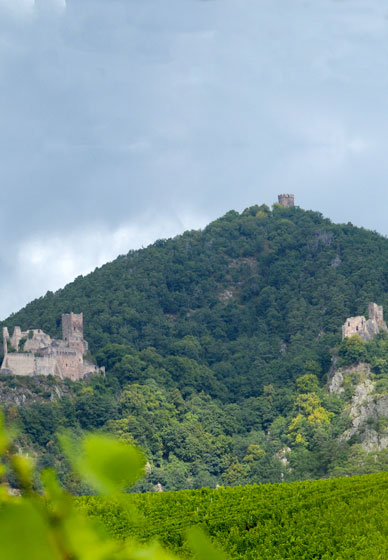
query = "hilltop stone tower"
x=73 y=331
x=286 y=200
x=366 y=329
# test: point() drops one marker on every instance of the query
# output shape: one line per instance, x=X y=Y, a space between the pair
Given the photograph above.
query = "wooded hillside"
x=217 y=345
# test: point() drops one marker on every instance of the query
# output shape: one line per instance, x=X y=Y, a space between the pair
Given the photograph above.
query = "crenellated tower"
x=286 y=200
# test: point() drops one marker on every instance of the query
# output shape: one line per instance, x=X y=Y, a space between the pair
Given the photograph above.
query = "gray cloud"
x=128 y=120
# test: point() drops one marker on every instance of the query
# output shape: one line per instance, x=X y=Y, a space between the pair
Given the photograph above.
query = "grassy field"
x=344 y=518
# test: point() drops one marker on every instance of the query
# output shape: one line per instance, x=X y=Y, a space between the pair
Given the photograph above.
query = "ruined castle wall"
x=28 y=364
x=45 y=356
x=16 y=337
x=376 y=314
x=89 y=368
x=5 y=340
x=367 y=330
x=354 y=325
x=66 y=365
x=19 y=364
x=38 y=341
x=70 y=363
x=79 y=345
x=47 y=365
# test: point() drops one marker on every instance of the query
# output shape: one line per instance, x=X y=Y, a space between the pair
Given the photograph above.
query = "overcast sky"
x=123 y=121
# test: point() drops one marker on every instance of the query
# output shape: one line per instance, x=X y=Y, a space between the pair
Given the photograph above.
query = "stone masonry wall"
x=366 y=329
x=47 y=365
x=70 y=363
x=19 y=364
x=73 y=331
x=354 y=325
x=37 y=342
x=28 y=364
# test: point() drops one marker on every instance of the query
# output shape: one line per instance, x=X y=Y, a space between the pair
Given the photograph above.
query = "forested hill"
x=255 y=298
x=217 y=345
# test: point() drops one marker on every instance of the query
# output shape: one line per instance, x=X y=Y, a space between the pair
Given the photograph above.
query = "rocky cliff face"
x=367 y=410
x=24 y=391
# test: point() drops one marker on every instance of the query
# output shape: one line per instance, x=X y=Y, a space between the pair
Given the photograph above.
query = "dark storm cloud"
x=127 y=120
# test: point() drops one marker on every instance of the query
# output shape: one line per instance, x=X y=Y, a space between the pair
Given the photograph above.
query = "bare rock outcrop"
x=367 y=411
x=355 y=374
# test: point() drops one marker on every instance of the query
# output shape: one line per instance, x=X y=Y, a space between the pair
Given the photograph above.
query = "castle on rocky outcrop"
x=286 y=200
x=34 y=352
x=366 y=329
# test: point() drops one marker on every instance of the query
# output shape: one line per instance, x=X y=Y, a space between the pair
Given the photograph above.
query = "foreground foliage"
x=338 y=519
x=49 y=527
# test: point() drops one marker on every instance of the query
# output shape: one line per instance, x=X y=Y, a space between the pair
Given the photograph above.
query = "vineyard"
x=343 y=518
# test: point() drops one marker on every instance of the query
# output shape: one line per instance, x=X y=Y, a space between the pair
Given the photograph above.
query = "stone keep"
x=36 y=353
x=73 y=331
x=286 y=200
x=366 y=329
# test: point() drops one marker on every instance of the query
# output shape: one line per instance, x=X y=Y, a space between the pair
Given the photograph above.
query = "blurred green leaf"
x=23 y=467
x=153 y=552
x=50 y=483
x=201 y=547
x=83 y=538
x=25 y=534
x=104 y=463
x=5 y=435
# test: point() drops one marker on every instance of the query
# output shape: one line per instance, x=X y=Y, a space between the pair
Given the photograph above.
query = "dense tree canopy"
x=217 y=345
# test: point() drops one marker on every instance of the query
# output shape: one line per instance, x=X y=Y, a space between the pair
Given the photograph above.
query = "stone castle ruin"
x=366 y=329
x=34 y=352
x=286 y=200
